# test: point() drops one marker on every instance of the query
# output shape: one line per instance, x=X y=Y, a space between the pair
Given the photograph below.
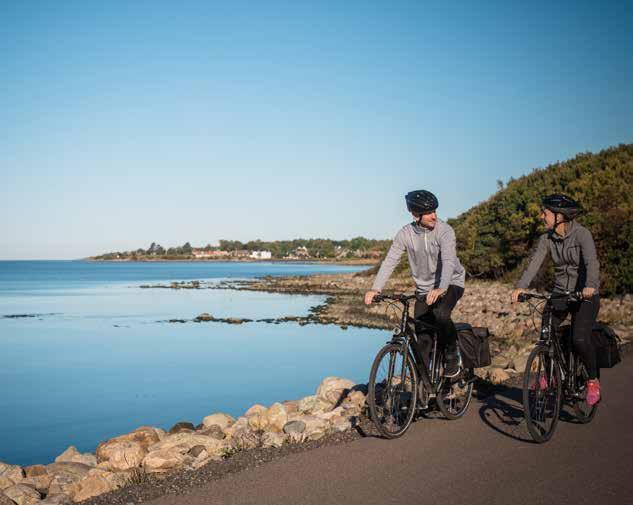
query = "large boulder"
x=182 y=426
x=355 y=399
x=23 y=495
x=39 y=482
x=72 y=455
x=316 y=428
x=185 y=441
x=127 y=451
x=243 y=439
x=12 y=472
x=257 y=422
x=334 y=389
x=163 y=460
x=240 y=424
x=275 y=418
x=254 y=410
x=213 y=431
x=312 y=405
x=35 y=470
x=37 y=477
x=220 y=419
x=98 y=482
x=65 y=477
x=119 y=455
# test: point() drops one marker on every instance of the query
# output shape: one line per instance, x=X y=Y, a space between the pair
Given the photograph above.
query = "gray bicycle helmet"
x=421 y=201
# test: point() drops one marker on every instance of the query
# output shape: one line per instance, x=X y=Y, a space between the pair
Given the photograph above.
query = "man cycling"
x=576 y=268
x=436 y=270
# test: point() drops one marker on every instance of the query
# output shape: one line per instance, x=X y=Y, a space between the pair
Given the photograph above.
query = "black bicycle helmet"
x=562 y=204
x=421 y=201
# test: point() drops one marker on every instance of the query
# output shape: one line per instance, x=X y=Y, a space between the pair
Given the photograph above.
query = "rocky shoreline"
x=512 y=327
x=150 y=462
x=147 y=455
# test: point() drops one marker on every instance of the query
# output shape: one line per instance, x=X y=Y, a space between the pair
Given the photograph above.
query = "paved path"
x=484 y=458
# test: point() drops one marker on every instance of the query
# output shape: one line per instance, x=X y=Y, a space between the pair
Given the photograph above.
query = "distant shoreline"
x=358 y=262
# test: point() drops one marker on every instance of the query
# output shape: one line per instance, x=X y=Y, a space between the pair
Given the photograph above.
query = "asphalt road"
x=484 y=458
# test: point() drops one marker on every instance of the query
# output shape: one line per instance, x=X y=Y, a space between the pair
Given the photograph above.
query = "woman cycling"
x=576 y=268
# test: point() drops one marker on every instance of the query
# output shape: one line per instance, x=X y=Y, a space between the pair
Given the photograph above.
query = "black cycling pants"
x=440 y=314
x=583 y=315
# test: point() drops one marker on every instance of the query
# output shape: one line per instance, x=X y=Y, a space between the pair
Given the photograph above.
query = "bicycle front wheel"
x=392 y=391
x=541 y=394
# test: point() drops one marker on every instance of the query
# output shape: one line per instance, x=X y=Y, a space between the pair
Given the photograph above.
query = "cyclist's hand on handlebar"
x=588 y=293
x=516 y=293
x=369 y=297
x=434 y=295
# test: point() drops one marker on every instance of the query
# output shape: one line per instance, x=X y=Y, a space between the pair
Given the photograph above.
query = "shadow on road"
x=502 y=410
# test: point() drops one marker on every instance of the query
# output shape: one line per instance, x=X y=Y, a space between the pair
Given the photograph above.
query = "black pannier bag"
x=474 y=345
x=606 y=344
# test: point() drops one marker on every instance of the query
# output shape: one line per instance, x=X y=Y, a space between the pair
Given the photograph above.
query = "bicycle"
x=394 y=388
x=553 y=375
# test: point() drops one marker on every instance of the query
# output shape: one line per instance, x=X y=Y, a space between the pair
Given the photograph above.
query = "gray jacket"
x=575 y=260
x=432 y=257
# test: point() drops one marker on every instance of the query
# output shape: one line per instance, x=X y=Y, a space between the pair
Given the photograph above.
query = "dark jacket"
x=575 y=260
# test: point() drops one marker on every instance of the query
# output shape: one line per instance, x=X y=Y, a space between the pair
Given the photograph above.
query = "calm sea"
x=94 y=361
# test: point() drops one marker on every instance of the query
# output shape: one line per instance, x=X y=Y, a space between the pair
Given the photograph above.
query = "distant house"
x=201 y=253
x=240 y=253
x=261 y=255
x=301 y=252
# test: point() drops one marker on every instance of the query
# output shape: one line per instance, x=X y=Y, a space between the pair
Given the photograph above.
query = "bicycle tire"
x=584 y=413
x=454 y=402
x=542 y=393
x=392 y=404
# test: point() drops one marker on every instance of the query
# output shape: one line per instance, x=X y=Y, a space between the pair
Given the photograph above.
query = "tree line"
x=316 y=247
x=496 y=237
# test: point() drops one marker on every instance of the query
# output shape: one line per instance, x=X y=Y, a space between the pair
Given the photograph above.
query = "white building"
x=261 y=255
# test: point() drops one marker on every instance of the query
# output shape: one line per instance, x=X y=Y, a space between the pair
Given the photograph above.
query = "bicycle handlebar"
x=397 y=298
x=569 y=296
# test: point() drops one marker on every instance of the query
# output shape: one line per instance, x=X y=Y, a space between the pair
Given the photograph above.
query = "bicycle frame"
x=566 y=364
x=403 y=336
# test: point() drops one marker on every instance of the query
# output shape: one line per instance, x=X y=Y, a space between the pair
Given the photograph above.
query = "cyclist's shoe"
x=593 y=392
x=451 y=367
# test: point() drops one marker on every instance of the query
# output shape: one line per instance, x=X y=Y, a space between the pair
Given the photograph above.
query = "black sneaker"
x=451 y=365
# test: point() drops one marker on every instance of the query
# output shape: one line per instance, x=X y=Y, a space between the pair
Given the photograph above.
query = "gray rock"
x=294 y=427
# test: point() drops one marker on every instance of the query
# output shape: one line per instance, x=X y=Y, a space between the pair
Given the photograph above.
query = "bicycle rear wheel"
x=453 y=397
x=392 y=391
x=541 y=394
x=584 y=413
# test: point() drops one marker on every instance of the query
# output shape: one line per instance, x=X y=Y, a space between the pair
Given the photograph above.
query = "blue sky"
x=124 y=123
